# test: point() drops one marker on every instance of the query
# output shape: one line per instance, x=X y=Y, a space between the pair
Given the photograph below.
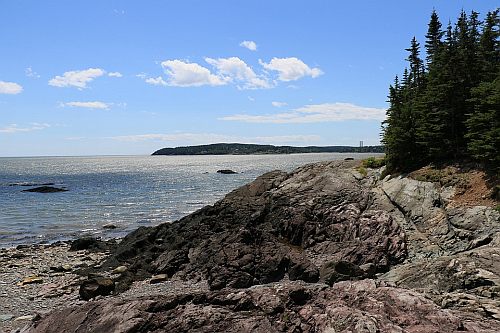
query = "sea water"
x=126 y=191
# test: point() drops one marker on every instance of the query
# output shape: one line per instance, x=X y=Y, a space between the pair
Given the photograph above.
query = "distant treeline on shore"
x=247 y=149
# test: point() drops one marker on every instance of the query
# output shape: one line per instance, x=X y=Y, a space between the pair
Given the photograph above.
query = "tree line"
x=446 y=107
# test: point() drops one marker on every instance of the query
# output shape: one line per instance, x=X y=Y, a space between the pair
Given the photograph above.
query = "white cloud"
x=206 y=138
x=10 y=88
x=115 y=74
x=328 y=112
x=249 y=45
x=30 y=73
x=185 y=74
x=141 y=75
x=14 y=128
x=77 y=79
x=156 y=81
x=88 y=105
x=290 y=69
x=279 y=104
x=237 y=71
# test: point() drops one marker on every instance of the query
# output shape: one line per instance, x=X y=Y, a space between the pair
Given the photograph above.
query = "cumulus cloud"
x=279 y=104
x=14 y=128
x=206 y=138
x=115 y=74
x=78 y=79
x=88 y=105
x=235 y=70
x=186 y=74
x=10 y=88
x=290 y=69
x=327 y=112
x=156 y=81
x=249 y=45
x=31 y=73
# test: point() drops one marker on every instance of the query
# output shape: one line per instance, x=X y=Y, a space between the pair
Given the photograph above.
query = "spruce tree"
x=433 y=37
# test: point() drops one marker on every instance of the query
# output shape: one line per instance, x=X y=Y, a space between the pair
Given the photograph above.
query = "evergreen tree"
x=449 y=108
x=489 y=49
x=484 y=124
x=433 y=37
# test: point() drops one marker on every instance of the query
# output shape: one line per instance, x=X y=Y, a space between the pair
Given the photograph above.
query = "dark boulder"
x=46 y=189
x=336 y=271
x=226 y=172
x=94 y=287
x=87 y=243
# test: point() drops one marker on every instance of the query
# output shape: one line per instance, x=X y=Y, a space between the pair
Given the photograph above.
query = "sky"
x=110 y=77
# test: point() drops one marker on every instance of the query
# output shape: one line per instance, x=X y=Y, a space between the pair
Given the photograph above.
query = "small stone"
x=5 y=317
x=92 y=288
x=109 y=226
x=62 y=268
x=119 y=270
x=30 y=280
x=158 y=278
x=22 y=318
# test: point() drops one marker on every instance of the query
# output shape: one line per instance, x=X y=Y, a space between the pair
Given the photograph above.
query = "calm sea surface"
x=128 y=191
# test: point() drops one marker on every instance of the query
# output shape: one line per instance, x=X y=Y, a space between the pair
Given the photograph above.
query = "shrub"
x=374 y=163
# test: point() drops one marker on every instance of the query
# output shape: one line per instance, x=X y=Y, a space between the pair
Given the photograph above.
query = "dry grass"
x=472 y=187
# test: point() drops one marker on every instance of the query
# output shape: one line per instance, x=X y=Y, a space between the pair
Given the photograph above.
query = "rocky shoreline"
x=325 y=248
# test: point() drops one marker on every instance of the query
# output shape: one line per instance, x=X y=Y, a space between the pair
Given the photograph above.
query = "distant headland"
x=248 y=149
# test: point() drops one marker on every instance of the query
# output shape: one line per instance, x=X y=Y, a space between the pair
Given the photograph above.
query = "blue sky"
x=129 y=77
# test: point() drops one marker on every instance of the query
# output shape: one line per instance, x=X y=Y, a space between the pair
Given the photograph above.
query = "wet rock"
x=109 y=226
x=94 y=287
x=87 y=243
x=46 y=189
x=226 y=172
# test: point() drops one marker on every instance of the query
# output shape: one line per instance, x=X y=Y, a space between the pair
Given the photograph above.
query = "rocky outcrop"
x=362 y=306
x=279 y=225
x=321 y=249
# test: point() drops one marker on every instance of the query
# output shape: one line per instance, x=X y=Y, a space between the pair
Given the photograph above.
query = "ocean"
x=126 y=191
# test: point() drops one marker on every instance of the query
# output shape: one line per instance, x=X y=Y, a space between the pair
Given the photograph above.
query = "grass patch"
x=445 y=177
x=362 y=170
x=373 y=163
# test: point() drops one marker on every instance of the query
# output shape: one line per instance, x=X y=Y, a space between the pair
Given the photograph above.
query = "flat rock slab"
x=361 y=306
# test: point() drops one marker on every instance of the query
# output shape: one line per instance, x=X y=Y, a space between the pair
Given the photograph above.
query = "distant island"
x=248 y=149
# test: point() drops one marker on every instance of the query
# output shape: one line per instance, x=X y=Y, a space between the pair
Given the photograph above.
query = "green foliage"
x=374 y=163
x=495 y=193
x=444 y=177
x=362 y=170
x=447 y=108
